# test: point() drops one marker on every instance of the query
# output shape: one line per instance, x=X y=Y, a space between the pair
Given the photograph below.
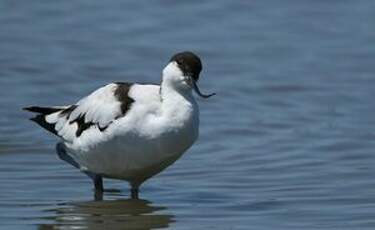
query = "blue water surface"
x=287 y=143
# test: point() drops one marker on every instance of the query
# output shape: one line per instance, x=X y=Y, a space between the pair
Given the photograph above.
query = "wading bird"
x=129 y=131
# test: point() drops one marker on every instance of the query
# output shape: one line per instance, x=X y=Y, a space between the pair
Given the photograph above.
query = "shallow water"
x=287 y=143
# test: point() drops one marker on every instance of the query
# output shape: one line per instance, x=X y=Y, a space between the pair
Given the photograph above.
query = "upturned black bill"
x=196 y=89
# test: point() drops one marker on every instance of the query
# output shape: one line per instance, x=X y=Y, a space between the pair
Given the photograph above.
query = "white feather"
x=157 y=129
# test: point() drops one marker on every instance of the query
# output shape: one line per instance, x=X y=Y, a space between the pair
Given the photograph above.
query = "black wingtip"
x=41 y=110
x=36 y=119
x=27 y=109
x=40 y=120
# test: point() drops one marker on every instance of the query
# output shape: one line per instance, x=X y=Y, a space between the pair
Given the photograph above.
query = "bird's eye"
x=179 y=62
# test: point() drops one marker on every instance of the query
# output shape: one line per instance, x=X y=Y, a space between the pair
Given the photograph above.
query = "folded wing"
x=96 y=111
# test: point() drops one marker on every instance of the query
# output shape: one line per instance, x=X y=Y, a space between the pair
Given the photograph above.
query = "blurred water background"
x=287 y=143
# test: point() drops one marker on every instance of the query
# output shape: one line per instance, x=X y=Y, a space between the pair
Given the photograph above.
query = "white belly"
x=137 y=155
x=150 y=137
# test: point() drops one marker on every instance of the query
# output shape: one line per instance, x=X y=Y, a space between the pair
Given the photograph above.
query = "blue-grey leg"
x=134 y=193
x=97 y=179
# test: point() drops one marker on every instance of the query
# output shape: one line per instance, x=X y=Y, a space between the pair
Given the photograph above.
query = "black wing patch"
x=121 y=93
x=81 y=124
x=80 y=120
x=66 y=112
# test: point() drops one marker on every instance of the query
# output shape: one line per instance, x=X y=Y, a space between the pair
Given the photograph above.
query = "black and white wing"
x=96 y=111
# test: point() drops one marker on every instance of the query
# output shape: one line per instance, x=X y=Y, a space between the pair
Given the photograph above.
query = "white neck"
x=176 y=94
x=176 y=102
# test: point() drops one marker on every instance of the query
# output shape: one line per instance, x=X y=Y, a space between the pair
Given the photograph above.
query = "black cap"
x=189 y=63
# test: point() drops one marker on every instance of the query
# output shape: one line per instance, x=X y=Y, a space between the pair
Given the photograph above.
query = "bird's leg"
x=98 y=195
x=98 y=183
x=134 y=192
x=97 y=180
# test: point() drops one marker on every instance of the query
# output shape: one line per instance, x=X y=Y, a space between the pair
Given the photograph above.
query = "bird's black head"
x=189 y=63
x=189 y=66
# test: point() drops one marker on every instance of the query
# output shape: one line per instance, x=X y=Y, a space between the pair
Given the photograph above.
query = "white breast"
x=152 y=135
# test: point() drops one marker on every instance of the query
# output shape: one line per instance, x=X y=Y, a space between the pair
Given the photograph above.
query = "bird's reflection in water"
x=111 y=214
